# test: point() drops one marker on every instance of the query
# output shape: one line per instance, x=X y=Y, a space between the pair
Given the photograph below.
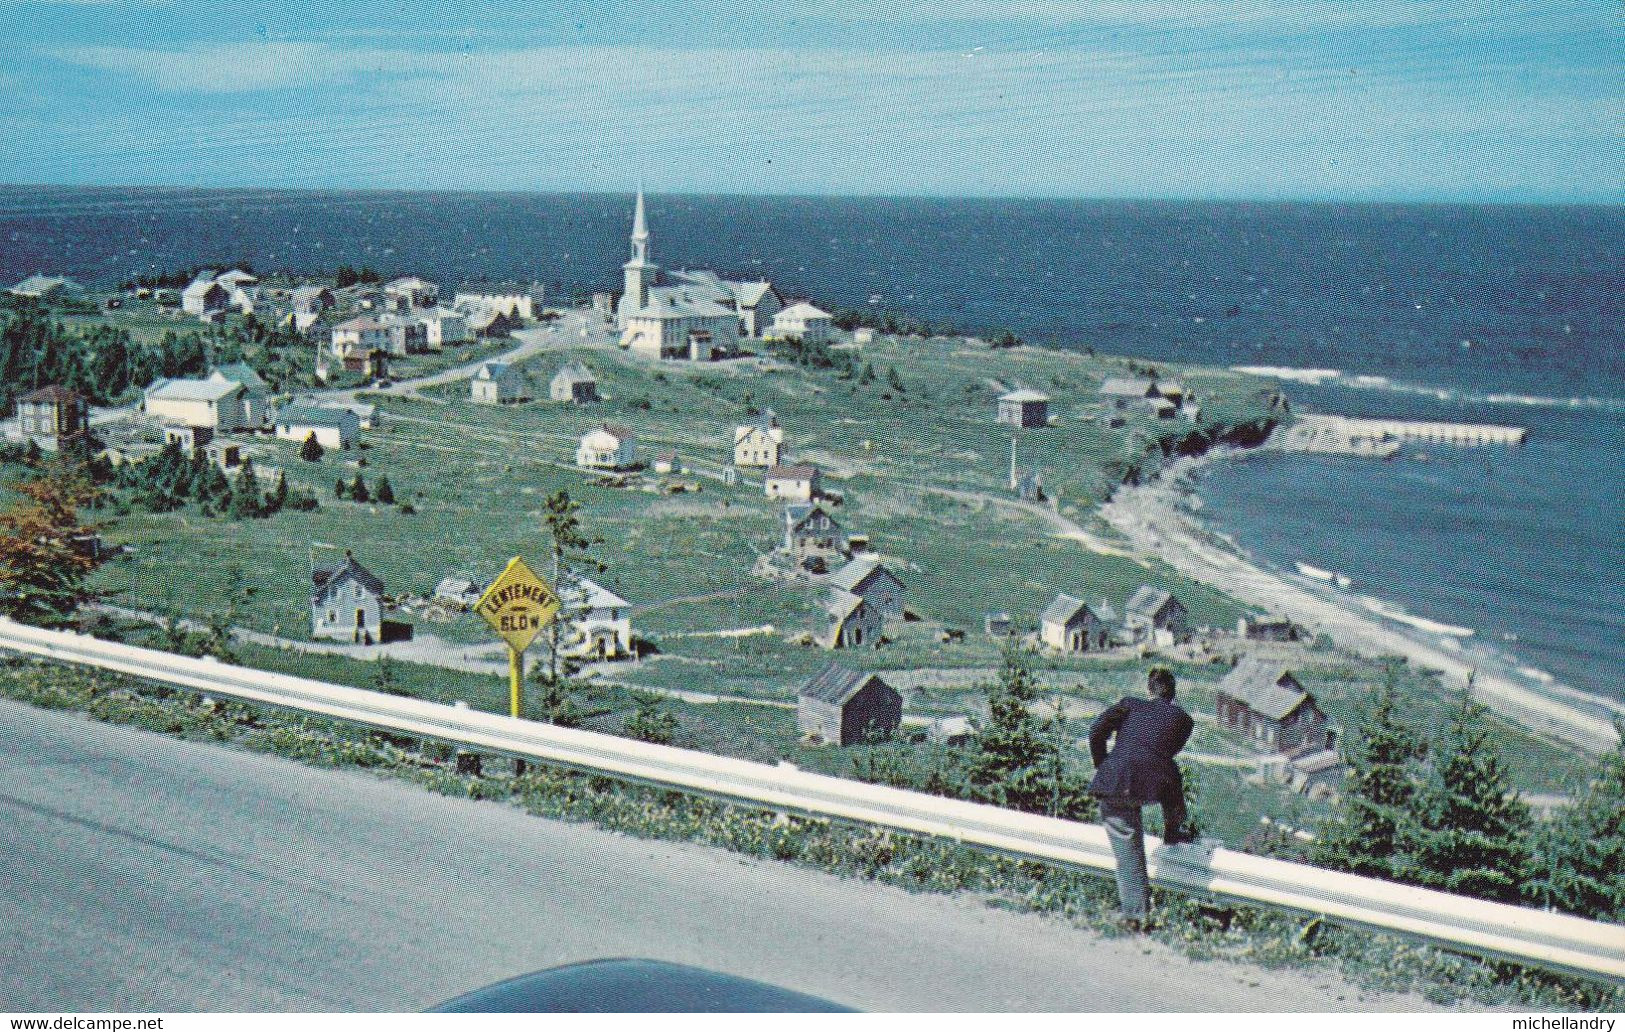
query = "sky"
x=1477 y=100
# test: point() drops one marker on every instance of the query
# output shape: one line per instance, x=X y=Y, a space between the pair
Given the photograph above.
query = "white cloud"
x=236 y=68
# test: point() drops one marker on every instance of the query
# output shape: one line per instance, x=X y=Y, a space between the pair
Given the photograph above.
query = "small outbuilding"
x=839 y=706
x=1024 y=408
x=499 y=383
x=795 y=482
x=457 y=592
x=574 y=383
x=852 y=623
x=608 y=447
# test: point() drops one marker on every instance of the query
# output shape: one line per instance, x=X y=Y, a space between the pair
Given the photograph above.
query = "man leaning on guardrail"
x=1145 y=736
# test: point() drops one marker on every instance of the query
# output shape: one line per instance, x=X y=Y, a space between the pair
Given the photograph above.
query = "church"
x=699 y=315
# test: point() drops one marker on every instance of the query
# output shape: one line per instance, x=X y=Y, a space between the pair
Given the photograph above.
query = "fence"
x=1553 y=941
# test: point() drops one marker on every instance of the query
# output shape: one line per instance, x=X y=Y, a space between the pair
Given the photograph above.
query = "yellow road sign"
x=518 y=604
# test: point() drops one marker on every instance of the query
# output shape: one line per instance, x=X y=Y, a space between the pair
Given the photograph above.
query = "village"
x=785 y=537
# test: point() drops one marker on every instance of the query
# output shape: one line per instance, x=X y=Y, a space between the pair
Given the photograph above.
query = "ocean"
x=1497 y=314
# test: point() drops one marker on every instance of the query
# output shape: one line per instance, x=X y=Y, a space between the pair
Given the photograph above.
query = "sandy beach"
x=1159 y=521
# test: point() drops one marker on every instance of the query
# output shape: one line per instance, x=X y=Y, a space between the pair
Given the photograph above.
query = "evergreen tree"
x=277 y=497
x=1017 y=764
x=311 y=450
x=383 y=492
x=571 y=547
x=894 y=381
x=245 y=495
x=358 y=490
x=340 y=490
x=216 y=492
x=1367 y=833
x=1579 y=854
x=1471 y=835
x=868 y=374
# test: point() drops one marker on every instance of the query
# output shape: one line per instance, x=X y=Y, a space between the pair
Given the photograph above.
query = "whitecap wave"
x=1373 y=382
x=1393 y=612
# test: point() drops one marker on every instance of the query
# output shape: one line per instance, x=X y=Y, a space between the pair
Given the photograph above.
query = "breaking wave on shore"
x=1321 y=377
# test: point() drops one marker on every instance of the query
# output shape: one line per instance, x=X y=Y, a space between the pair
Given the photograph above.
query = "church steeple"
x=640 y=272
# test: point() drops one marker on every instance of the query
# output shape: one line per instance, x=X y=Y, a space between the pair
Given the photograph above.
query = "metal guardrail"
x=1553 y=941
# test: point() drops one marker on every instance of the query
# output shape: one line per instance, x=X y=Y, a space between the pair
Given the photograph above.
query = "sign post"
x=518 y=604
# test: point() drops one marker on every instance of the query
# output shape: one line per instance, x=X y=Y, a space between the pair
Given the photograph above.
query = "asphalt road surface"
x=141 y=873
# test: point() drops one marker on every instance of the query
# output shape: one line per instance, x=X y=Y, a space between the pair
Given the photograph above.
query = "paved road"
x=143 y=873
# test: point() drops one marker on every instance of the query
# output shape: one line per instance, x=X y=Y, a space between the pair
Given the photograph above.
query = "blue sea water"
x=1495 y=314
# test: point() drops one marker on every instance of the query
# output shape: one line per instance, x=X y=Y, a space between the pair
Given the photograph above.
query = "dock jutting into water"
x=1381 y=438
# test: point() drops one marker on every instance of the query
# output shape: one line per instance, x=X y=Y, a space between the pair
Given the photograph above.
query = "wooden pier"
x=1381 y=438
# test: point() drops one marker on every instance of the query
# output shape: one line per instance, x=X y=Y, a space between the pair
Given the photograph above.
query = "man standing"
x=1138 y=771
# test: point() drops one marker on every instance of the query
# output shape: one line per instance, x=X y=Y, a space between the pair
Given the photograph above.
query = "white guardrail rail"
x=1553 y=941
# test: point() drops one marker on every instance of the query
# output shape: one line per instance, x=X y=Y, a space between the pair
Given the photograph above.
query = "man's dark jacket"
x=1140 y=768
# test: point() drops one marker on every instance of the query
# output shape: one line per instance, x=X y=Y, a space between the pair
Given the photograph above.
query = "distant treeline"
x=902 y=325
x=103 y=363
x=343 y=276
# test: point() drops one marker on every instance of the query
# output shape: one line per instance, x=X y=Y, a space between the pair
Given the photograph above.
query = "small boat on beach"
x=1316 y=572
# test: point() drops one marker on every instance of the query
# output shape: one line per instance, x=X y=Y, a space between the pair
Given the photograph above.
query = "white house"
x=361 y=335
x=230 y=398
x=346 y=603
x=793 y=483
x=805 y=320
x=203 y=295
x=755 y=301
x=760 y=442
x=508 y=300
x=333 y=427
x=499 y=383
x=598 y=621
x=411 y=292
x=574 y=383
x=608 y=447
x=442 y=326
x=1069 y=625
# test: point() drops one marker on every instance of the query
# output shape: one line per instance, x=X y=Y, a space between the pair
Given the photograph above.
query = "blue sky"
x=1476 y=100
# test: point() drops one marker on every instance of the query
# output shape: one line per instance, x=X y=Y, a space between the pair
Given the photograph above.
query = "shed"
x=1069 y=625
x=868 y=578
x=499 y=383
x=798 y=482
x=839 y=706
x=574 y=383
x=1024 y=408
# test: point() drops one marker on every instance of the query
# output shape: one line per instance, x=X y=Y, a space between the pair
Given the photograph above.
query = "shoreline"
x=1157 y=520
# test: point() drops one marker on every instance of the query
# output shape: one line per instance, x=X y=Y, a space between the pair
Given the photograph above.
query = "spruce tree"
x=1367 y=833
x=339 y=489
x=277 y=497
x=1472 y=832
x=358 y=490
x=894 y=381
x=311 y=450
x=1016 y=764
x=245 y=494
x=1579 y=855
x=383 y=492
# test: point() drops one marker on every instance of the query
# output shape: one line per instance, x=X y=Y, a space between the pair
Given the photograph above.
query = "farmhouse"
x=759 y=443
x=499 y=383
x=574 y=383
x=877 y=586
x=1024 y=408
x=608 y=447
x=442 y=326
x=222 y=401
x=52 y=415
x=810 y=533
x=346 y=603
x=1263 y=701
x=844 y=707
x=598 y=621
x=852 y=622
x=1069 y=625
x=334 y=427
x=1155 y=615
x=802 y=319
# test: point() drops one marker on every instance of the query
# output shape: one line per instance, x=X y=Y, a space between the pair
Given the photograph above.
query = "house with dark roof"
x=852 y=622
x=1155 y=615
x=499 y=383
x=52 y=415
x=810 y=534
x=346 y=603
x=797 y=482
x=845 y=707
x=1069 y=625
x=866 y=577
x=1261 y=700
